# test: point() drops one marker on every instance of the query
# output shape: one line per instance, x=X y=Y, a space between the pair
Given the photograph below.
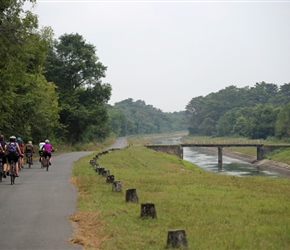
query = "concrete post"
x=220 y=156
x=260 y=153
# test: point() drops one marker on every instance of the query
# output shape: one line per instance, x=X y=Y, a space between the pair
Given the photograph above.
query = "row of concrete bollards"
x=175 y=238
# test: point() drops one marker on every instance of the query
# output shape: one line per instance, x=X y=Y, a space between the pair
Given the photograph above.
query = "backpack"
x=12 y=147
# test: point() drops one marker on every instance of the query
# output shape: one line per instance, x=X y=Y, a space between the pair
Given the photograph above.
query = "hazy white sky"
x=166 y=53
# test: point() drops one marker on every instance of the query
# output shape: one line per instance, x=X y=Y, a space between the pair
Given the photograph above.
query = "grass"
x=216 y=211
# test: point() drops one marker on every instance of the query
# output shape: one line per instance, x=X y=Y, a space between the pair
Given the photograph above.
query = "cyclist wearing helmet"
x=29 y=149
x=47 y=149
x=2 y=155
x=40 y=149
x=21 y=146
x=13 y=152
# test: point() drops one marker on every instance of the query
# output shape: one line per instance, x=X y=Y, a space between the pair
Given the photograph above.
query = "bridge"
x=177 y=149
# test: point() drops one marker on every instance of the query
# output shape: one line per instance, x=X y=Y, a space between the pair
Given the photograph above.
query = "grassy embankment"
x=217 y=211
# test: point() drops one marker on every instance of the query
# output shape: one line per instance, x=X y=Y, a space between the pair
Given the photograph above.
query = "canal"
x=208 y=160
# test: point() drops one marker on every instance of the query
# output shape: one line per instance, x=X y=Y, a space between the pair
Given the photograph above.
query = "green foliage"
x=250 y=112
x=29 y=105
x=73 y=66
x=129 y=118
x=283 y=123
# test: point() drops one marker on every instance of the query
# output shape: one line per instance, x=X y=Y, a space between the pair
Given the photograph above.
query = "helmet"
x=19 y=139
x=46 y=141
x=30 y=142
x=12 y=138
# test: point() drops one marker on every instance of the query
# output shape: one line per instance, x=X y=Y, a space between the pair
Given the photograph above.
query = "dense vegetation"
x=29 y=106
x=130 y=118
x=53 y=88
x=258 y=112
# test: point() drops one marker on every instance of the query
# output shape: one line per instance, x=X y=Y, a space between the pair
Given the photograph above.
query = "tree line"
x=130 y=117
x=52 y=88
x=257 y=112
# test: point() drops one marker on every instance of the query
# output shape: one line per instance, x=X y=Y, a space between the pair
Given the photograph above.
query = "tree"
x=262 y=122
x=25 y=107
x=130 y=117
x=282 y=128
x=225 y=125
x=241 y=126
x=73 y=65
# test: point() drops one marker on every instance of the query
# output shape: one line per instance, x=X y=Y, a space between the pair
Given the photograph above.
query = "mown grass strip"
x=217 y=211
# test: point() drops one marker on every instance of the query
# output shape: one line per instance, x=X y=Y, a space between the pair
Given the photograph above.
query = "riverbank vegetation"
x=258 y=112
x=56 y=90
x=216 y=211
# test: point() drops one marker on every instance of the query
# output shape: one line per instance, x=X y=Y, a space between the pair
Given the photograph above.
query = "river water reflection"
x=209 y=161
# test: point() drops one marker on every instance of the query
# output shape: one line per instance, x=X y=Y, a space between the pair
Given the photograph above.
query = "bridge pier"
x=177 y=149
x=220 y=156
x=260 y=153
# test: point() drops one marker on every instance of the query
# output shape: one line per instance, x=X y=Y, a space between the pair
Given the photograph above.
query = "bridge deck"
x=221 y=145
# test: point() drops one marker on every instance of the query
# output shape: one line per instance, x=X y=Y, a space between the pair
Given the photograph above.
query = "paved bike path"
x=34 y=212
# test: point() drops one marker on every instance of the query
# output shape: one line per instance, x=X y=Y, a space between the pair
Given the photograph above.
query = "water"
x=208 y=161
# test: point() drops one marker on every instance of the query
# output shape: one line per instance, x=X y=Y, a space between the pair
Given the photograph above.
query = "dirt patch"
x=87 y=227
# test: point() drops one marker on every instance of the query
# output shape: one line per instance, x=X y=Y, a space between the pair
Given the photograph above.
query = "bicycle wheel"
x=29 y=160
x=12 y=173
x=19 y=164
x=47 y=163
x=41 y=163
x=1 y=171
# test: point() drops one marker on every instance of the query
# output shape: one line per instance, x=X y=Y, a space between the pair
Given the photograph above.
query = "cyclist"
x=3 y=156
x=2 y=153
x=13 y=152
x=40 y=150
x=21 y=146
x=29 y=149
x=47 y=149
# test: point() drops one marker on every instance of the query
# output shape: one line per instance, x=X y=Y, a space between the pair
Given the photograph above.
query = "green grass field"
x=216 y=211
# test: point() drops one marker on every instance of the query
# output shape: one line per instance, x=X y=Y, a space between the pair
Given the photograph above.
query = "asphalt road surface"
x=34 y=212
x=120 y=142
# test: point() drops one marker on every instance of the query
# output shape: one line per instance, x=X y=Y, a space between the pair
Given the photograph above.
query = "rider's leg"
x=4 y=166
x=8 y=165
x=40 y=155
x=16 y=165
x=21 y=161
x=4 y=161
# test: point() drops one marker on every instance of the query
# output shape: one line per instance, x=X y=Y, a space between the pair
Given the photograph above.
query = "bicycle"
x=19 y=163
x=1 y=170
x=42 y=163
x=12 y=172
x=41 y=160
x=29 y=159
x=46 y=162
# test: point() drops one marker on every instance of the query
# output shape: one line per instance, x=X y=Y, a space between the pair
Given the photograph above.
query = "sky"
x=167 y=52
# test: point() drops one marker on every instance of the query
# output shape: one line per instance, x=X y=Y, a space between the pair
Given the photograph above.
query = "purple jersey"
x=47 y=147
